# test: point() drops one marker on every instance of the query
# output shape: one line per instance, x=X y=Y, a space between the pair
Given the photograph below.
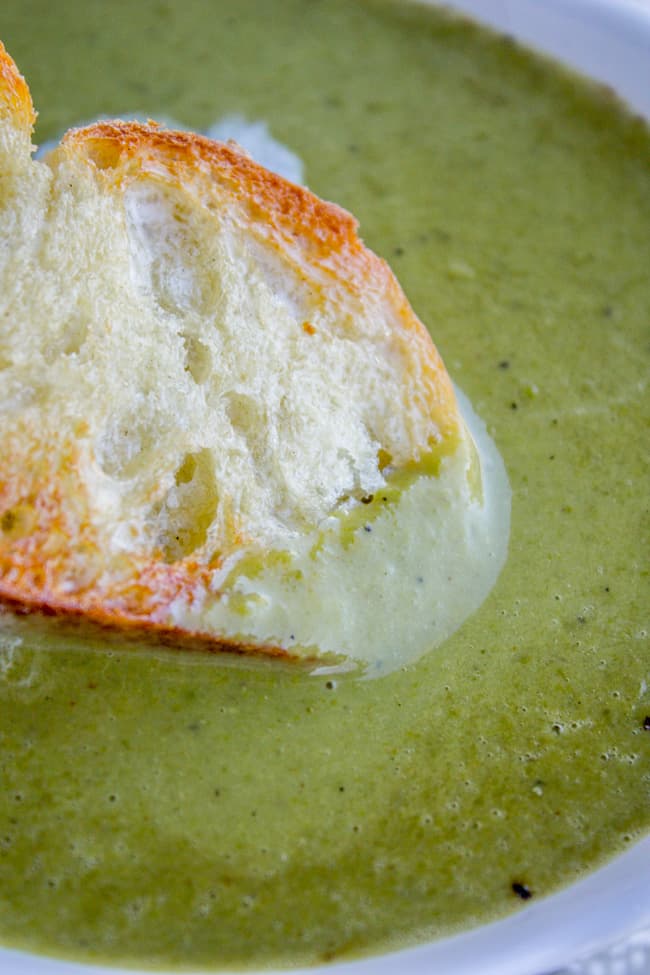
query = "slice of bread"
x=207 y=386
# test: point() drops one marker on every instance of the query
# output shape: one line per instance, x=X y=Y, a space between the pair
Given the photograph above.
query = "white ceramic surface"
x=606 y=39
x=609 y=40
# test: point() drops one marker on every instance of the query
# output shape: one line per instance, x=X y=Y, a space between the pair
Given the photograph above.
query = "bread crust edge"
x=15 y=98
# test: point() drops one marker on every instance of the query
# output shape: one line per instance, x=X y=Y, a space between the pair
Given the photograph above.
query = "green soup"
x=166 y=809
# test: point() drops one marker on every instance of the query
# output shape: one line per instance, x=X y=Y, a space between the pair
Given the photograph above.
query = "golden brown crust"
x=67 y=620
x=129 y=147
x=15 y=99
x=40 y=567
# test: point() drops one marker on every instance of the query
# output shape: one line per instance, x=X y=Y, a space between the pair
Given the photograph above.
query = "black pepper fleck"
x=646 y=723
x=367 y=528
x=513 y=406
x=504 y=364
x=398 y=251
x=521 y=890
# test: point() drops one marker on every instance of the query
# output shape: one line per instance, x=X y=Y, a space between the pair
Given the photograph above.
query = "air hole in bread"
x=104 y=153
x=69 y=341
x=7 y=521
x=384 y=460
x=18 y=521
x=247 y=418
x=75 y=339
x=170 y=251
x=198 y=361
x=181 y=521
x=124 y=448
x=243 y=412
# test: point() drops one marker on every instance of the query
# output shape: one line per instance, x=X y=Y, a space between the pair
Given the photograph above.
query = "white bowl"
x=610 y=41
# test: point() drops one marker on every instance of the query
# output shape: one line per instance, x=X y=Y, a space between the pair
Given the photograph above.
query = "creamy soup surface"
x=163 y=808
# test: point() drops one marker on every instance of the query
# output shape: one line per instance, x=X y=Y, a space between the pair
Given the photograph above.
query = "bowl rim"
x=539 y=939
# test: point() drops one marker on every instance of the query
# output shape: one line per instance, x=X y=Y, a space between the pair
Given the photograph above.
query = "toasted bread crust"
x=15 y=99
x=51 y=551
x=51 y=559
x=67 y=620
